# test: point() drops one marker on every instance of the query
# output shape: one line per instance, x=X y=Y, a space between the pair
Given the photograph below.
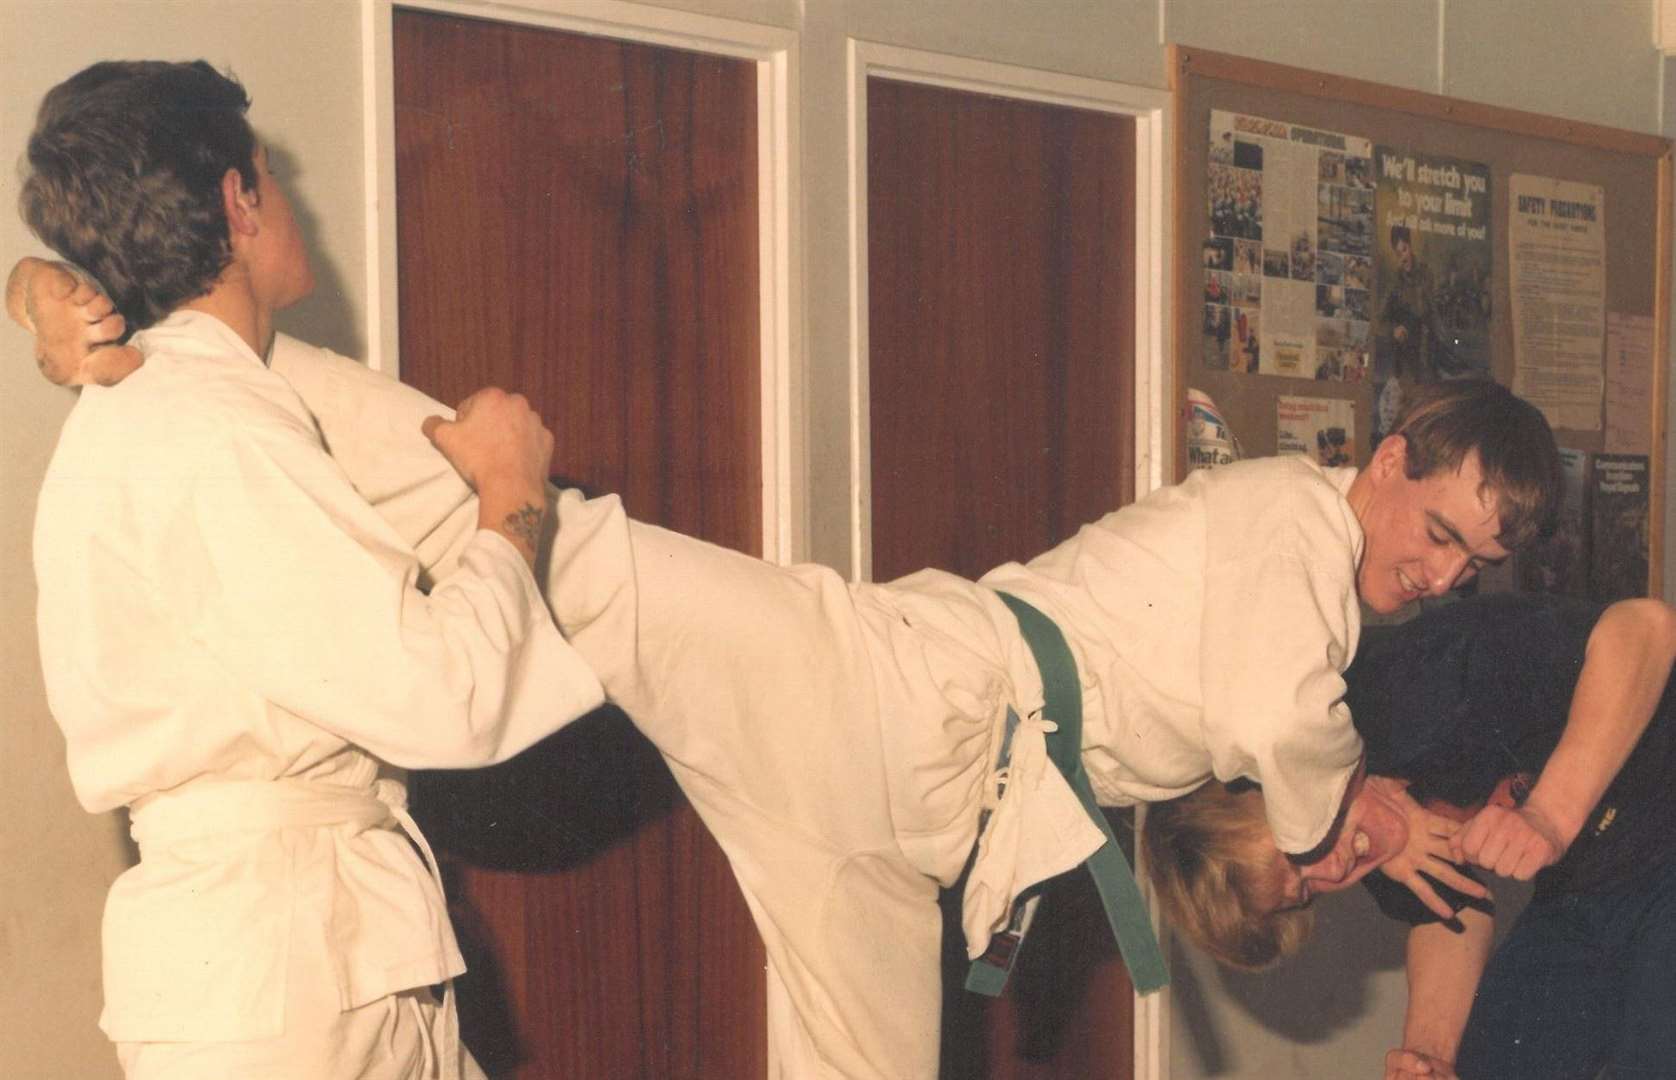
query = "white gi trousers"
x=839 y=741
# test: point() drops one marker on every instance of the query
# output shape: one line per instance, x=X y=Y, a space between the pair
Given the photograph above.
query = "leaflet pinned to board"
x=1323 y=429
x=1432 y=296
x=1629 y=383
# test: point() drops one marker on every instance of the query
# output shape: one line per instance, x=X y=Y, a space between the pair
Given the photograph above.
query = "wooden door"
x=577 y=220
x=1001 y=313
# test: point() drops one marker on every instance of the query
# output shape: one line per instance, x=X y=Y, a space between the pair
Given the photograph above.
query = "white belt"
x=230 y=807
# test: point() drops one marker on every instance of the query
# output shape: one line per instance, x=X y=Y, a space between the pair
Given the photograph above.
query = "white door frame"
x=1150 y=109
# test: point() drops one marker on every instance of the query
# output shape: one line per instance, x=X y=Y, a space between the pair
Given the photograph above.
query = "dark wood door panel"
x=1001 y=388
x=605 y=204
x=577 y=220
x=1001 y=316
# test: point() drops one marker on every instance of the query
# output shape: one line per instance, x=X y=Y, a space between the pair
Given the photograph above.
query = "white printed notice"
x=1556 y=237
x=1322 y=428
x=1629 y=383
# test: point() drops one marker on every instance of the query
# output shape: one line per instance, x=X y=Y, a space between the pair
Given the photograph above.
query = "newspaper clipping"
x=1432 y=295
x=1288 y=263
x=1210 y=442
x=1321 y=428
x=1556 y=236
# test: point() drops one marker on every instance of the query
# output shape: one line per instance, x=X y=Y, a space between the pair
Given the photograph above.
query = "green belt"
x=1119 y=894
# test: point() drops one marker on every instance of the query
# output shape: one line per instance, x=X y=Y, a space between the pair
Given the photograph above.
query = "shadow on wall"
x=1310 y=1000
x=326 y=317
x=1324 y=995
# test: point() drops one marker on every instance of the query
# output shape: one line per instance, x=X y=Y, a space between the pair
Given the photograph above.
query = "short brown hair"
x=126 y=162
x=1443 y=422
x=1215 y=868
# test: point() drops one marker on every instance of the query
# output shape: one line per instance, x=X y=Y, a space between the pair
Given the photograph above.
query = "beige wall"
x=301 y=61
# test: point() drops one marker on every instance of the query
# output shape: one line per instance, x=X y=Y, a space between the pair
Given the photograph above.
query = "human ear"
x=1391 y=457
x=239 y=204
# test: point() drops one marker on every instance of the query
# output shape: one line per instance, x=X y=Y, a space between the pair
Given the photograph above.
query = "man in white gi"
x=237 y=646
x=843 y=741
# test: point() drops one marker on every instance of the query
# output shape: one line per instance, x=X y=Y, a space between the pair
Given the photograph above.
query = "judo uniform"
x=236 y=648
x=841 y=741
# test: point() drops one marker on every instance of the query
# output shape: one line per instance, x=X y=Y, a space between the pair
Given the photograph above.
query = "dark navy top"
x=1477 y=690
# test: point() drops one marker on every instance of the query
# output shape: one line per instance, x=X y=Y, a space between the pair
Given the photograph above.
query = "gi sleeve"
x=274 y=563
x=370 y=424
x=1279 y=626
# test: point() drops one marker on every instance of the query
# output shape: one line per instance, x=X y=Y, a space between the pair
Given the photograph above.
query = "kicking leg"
x=755 y=683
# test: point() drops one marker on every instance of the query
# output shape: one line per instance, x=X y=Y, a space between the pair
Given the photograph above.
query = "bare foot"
x=76 y=327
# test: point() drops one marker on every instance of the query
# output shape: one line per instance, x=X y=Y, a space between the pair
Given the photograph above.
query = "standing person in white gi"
x=236 y=645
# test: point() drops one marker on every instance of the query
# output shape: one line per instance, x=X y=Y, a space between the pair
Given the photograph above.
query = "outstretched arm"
x=1625 y=667
x=77 y=329
x=1443 y=971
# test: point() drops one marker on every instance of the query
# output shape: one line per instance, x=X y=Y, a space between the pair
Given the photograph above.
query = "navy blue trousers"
x=1582 y=983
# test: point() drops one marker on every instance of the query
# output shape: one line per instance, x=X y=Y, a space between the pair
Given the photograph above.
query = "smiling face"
x=1423 y=537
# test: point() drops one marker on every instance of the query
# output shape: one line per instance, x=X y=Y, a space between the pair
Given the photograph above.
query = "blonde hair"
x=1218 y=875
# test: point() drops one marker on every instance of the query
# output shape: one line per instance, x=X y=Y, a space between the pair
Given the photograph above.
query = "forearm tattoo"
x=525 y=524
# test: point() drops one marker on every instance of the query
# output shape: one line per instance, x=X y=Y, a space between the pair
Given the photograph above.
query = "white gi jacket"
x=1211 y=624
x=220 y=606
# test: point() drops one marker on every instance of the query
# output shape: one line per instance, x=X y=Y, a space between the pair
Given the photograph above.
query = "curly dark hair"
x=126 y=162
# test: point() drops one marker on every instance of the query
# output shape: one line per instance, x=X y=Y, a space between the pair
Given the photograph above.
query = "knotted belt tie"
x=232 y=806
x=1119 y=894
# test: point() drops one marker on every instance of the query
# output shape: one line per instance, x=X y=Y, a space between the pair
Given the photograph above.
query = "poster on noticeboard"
x=1431 y=303
x=1287 y=265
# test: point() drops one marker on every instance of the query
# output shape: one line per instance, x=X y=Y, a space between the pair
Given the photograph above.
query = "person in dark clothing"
x=1548 y=723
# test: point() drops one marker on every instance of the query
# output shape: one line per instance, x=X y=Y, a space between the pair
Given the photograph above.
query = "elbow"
x=473 y=744
x=475 y=733
x=1642 y=623
x=462 y=745
x=445 y=718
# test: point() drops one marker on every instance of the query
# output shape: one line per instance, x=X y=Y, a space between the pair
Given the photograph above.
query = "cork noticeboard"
x=1498 y=150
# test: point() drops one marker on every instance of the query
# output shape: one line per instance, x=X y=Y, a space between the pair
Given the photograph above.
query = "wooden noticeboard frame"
x=1634 y=170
